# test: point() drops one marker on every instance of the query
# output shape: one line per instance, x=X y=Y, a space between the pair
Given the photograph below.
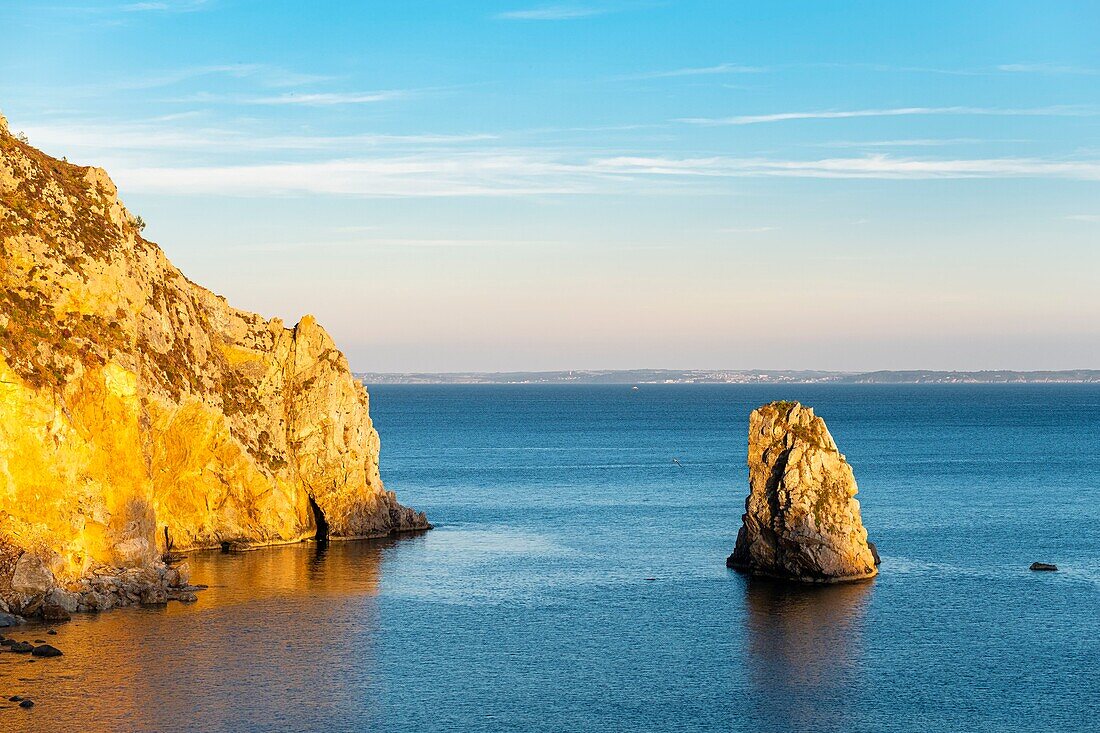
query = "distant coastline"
x=728 y=376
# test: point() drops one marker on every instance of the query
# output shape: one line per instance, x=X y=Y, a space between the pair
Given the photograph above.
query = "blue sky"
x=511 y=185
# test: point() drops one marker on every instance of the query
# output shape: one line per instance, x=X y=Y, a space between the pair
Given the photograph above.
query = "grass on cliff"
x=54 y=203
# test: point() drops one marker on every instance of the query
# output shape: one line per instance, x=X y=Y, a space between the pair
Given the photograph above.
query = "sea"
x=576 y=581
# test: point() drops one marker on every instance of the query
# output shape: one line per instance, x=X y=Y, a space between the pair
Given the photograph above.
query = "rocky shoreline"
x=29 y=591
x=32 y=592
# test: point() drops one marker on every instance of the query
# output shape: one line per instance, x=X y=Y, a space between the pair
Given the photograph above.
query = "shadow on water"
x=805 y=653
x=279 y=622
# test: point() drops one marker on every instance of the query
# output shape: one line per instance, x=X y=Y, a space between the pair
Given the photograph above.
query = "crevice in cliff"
x=319 y=520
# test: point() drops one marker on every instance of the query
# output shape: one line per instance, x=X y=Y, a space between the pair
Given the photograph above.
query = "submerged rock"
x=801 y=519
x=182 y=595
x=46 y=650
x=142 y=414
x=22 y=647
x=1044 y=567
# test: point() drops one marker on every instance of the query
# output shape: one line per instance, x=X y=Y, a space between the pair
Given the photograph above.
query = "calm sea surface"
x=531 y=608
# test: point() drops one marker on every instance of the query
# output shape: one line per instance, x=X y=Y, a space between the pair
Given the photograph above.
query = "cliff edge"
x=801 y=521
x=133 y=401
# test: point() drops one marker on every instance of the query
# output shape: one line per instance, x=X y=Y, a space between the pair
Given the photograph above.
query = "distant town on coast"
x=726 y=376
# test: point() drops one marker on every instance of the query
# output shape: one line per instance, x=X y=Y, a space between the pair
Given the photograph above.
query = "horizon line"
x=731 y=369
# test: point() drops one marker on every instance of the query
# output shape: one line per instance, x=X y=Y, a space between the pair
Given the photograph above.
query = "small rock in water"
x=14 y=698
x=46 y=651
x=7 y=642
x=22 y=647
x=1044 y=566
x=182 y=595
x=52 y=632
x=26 y=704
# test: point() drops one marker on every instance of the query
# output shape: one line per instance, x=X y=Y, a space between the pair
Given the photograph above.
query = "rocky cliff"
x=802 y=521
x=133 y=400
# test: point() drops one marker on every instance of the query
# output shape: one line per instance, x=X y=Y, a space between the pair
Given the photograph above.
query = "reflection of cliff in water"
x=274 y=622
x=805 y=653
x=308 y=569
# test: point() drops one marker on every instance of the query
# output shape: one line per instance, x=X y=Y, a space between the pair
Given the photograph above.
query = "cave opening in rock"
x=320 y=521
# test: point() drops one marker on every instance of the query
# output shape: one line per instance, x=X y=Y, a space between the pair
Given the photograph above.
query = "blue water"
x=530 y=607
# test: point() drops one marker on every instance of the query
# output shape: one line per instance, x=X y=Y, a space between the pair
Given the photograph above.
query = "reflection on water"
x=804 y=651
x=282 y=634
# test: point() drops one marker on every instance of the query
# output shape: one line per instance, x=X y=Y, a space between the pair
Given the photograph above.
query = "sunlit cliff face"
x=133 y=400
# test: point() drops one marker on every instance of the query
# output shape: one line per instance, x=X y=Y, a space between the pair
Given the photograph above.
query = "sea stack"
x=139 y=410
x=801 y=520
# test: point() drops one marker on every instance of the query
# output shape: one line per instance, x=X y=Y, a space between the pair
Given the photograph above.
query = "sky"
x=602 y=184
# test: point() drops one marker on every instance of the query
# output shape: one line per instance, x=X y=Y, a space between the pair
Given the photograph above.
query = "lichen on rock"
x=802 y=521
x=133 y=400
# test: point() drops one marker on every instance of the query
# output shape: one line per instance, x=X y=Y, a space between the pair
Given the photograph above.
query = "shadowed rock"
x=8 y=619
x=801 y=519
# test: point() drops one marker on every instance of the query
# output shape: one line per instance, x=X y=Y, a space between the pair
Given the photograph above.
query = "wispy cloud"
x=329 y=99
x=872 y=166
x=552 y=12
x=413 y=176
x=930 y=142
x=1092 y=218
x=165 y=6
x=1034 y=68
x=531 y=172
x=1048 y=68
x=387 y=243
x=261 y=75
x=889 y=68
x=698 y=71
x=156 y=79
x=1054 y=111
x=746 y=230
x=169 y=135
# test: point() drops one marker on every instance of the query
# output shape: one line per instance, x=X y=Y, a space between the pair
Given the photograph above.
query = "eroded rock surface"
x=802 y=521
x=132 y=399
